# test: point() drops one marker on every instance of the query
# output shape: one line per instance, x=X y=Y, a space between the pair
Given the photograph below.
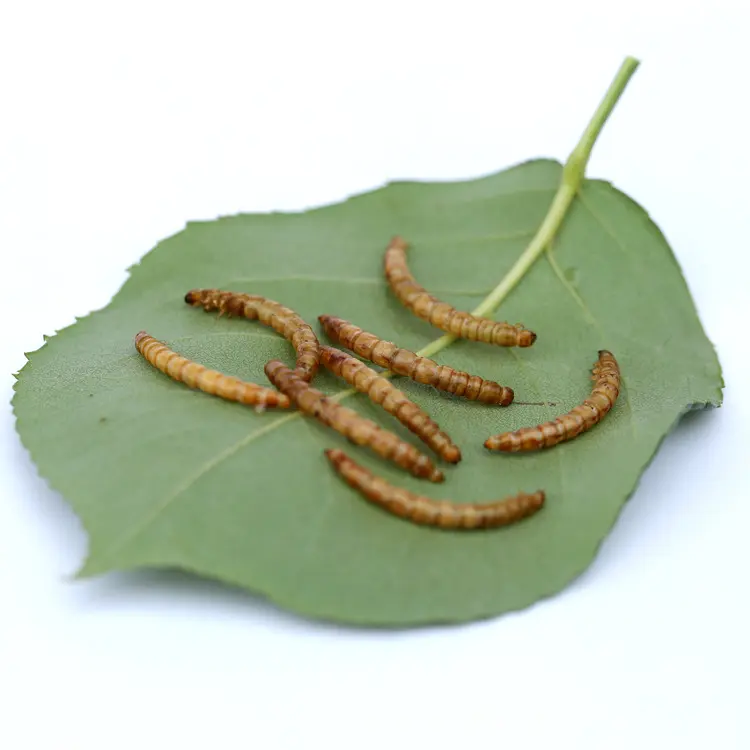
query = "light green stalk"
x=572 y=178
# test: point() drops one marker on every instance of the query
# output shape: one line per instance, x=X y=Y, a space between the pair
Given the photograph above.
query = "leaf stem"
x=572 y=177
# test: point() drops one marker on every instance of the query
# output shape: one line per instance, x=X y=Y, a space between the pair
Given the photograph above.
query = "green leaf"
x=164 y=476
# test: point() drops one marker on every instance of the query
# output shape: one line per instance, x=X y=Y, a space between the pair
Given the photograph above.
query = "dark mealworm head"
x=526 y=338
x=192 y=297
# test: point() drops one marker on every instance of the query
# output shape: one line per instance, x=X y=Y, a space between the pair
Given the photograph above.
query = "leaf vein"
x=167 y=502
x=606 y=227
x=571 y=289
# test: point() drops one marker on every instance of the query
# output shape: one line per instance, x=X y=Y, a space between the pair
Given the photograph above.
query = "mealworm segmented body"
x=381 y=391
x=350 y=424
x=282 y=319
x=606 y=376
x=441 y=314
x=197 y=376
x=421 y=369
x=428 y=512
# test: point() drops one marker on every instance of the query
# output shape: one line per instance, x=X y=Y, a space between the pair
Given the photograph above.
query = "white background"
x=121 y=121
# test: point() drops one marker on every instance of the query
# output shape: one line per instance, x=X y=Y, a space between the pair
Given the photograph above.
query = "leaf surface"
x=164 y=476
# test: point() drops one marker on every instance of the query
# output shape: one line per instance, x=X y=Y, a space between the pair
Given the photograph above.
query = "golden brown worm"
x=209 y=381
x=381 y=391
x=350 y=424
x=282 y=319
x=421 y=369
x=428 y=512
x=606 y=376
x=441 y=314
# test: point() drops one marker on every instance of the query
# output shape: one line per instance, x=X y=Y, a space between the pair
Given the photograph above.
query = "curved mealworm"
x=441 y=314
x=428 y=512
x=381 y=391
x=421 y=369
x=606 y=374
x=197 y=376
x=282 y=319
x=350 y=424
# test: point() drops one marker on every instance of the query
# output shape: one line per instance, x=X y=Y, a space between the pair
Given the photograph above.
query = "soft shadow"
x=169 y=588
x=39 y=504
x=175 y=589
x=657 y=481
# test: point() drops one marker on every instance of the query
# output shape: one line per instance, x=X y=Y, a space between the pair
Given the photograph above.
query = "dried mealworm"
x=441 y=314
x=209 y=381
x=282 y=319
x=606 y=376
x=421 y=369
x=383 y=392
x=350 y=424
x=428 y=512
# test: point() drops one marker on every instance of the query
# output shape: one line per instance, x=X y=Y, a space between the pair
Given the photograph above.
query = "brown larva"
x=428 y=512
x=606 y=376
x=282 y=319
x=381 y=391
x=350 y=424
x=441 y=314
x=209 y=381
x=421 y=369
